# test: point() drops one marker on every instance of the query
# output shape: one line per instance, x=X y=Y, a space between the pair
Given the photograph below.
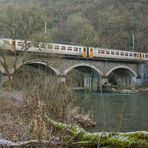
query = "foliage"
x=106 y=23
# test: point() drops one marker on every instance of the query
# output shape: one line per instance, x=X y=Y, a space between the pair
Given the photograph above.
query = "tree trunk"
x=81 y=137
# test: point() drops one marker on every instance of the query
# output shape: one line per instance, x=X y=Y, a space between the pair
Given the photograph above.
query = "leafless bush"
x=41 y=93
x=40 y=84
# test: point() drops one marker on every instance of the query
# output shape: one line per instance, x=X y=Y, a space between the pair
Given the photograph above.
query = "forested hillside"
x=104 y=23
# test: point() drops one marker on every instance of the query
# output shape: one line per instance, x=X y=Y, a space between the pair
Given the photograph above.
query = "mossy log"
x=80 y=137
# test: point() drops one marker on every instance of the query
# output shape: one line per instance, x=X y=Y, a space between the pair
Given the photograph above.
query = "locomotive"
x=71 y=50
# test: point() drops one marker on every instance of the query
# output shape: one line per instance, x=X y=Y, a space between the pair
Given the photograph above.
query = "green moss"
x=138 y=135
x=109 y=140
x=116 y=142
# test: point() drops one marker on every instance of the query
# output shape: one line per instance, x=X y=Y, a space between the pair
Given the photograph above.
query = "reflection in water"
x=122 y=112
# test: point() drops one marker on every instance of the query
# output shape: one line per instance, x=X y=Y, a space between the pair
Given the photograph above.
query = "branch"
x=31 y=143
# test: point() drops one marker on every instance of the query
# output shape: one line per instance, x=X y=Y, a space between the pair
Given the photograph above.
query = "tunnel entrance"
x=122 y=77
x=33 y=74
x=83 y=77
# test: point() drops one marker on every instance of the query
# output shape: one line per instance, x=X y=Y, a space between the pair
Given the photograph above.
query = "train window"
x=99 y=51
x=91 y=50
x=102 y=51
x=28 y=45
x=43 y=45
x=143 y=55
x=50 y=46
x=112 y=52
x=80 y=49
x=63 y=47
x=136 y=55
x=131 y=54
x=36 y=45
x=107 y=52
x=20 y=44
x=84 y=49
x=121 y=53
x=56 y=47
x=75 y=49
x=117 y=52
x=146 y=55
x=70 y=48
x=126 y=54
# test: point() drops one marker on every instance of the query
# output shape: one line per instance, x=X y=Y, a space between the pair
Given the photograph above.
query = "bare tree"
x=20 y=23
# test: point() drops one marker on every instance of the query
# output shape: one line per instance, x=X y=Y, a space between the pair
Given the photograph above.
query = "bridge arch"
x=34 y=73
x=83 y=76
x=81 y=65
x=40 y=62
x=121 y=67
x=122 y=76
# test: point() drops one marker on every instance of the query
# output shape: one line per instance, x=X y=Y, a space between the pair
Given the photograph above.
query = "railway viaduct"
x=124 y=73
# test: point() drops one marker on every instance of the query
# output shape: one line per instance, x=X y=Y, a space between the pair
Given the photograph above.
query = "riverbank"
x=115 y=89
x=129 y=91
x=13 y=126
x=113 y=106
x=18 y=115
x=76 y=137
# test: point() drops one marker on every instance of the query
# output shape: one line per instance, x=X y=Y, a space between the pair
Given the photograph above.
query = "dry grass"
x=41 y=94
x=11 y=124
x=25 y=120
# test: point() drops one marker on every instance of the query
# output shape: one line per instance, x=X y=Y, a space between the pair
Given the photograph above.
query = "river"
x=116 y=112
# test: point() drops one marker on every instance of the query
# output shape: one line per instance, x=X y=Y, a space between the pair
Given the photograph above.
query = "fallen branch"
x=78 y=137
x=31 y=143
x=81 y=137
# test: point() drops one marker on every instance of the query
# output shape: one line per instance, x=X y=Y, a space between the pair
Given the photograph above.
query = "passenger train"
x=71 y=49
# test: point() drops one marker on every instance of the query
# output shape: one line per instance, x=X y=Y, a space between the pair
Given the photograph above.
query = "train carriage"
x=71 y=50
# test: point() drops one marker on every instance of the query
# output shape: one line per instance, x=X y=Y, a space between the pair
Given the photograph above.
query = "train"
x=70 y=49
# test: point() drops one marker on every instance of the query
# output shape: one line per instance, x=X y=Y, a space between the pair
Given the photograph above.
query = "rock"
x=126 y=91
x=84 y=121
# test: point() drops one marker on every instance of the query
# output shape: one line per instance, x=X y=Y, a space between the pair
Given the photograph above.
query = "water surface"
x=121 y=112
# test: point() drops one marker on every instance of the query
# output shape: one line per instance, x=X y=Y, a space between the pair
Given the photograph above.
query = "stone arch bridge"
x=93 y=71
